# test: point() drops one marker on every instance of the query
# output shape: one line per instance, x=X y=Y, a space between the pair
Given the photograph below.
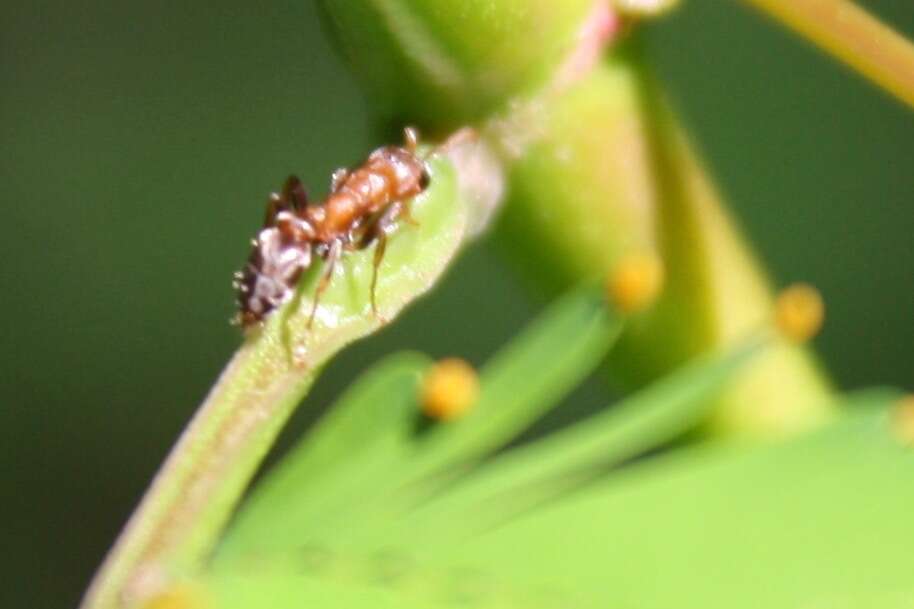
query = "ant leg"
x=411 y=139
x=379 y=250
x=384 y=226
x=352 y=239
x=333 y=255
x=337 y=178
x=294 y=193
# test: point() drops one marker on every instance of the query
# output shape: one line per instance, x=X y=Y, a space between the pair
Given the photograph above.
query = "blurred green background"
x=138 y=144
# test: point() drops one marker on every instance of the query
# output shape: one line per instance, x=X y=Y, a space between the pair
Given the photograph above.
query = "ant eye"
x=424 y=180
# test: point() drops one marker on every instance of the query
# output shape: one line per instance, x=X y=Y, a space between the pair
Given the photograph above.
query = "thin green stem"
x=851 y=34
x=194 y=492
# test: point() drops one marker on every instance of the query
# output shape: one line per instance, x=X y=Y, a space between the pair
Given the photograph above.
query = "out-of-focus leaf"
x=377 y=583
x=345 y=456
x=526 y=378
x=290 y=590
x=531 y=473
x=819 y=521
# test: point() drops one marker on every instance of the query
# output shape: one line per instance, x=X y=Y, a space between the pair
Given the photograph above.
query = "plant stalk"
x=854 y=36
x=178 y=520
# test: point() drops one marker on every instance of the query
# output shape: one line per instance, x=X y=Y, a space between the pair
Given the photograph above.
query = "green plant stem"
x=851 y=34
x=203 y=477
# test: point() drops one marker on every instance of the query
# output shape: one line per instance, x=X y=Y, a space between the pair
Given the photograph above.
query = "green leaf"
x=377 y=476
x=373 y=587
x=532 y=473
x=346 y=455
x=526 y=378
x=822 y=520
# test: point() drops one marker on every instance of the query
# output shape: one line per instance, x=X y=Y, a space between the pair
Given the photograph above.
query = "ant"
x=363 y=207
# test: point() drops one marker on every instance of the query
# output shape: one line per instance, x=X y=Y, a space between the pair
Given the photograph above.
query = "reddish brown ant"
x=362 y=208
